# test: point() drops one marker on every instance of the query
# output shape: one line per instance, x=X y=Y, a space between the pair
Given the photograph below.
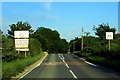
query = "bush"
x=35 y=47
x=9 y=52
x=87 y=49
x=14 y=67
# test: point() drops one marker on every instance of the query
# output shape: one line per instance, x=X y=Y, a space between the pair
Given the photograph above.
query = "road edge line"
x=90 y=63
x=33 y=67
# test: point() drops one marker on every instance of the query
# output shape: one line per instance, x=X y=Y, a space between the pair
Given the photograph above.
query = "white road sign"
x=24 y=49
x=21 y=44
x=21 y=41
x=109 y=35
x=21 y=34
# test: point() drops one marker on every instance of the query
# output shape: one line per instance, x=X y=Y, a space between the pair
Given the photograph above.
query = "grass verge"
x=14 y=67
x=110 y=63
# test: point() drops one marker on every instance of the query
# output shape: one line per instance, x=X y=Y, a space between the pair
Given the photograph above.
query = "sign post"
x=109 y=44
x=21 y=41
x=109 y=36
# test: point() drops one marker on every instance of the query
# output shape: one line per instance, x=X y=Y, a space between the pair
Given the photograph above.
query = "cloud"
x=47 y=16
x=47 y=5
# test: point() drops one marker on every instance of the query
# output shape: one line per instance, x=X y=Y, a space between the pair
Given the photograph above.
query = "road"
x=71 y=67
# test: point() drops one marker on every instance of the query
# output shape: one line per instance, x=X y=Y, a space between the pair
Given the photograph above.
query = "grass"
x=14 y=67
x=111 y=63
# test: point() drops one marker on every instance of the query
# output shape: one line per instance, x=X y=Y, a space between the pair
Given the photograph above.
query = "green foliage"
x=102 y=29
x=99 y=46
x=1 y=34
x=50 y=40
x=61 y=46
x=9 y=52
x=14 y=67
x=35 y=47
x=19 y=26
x=43 y=37
x=46 y=38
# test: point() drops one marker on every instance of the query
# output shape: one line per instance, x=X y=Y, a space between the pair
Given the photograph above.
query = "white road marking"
x=67 y=65
x=83 y=59
x=32 y=69
x=73 y=74
x=62 y=56
x=59 y=56
x=90 y=63
x=63 y=61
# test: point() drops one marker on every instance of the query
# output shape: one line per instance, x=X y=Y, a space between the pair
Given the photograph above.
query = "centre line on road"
x=73 y=74
x=67 y=65
x=64 y=61
x=62 y=56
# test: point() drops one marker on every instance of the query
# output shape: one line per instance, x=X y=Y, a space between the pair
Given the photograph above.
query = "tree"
x=75 y=45
x=117 y=36
x=19 y=26
x=1 y=33
x=102 y=29
x=46 y=37
x=61 y=45
x=50 y=40
x=87 y=33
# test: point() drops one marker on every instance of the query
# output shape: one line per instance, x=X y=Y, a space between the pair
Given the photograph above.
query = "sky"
x=119 y=17
x=67 y=18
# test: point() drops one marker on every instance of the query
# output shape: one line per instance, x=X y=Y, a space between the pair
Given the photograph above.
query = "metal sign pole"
x=25 y=53
x=18 y=52
x=109 y=44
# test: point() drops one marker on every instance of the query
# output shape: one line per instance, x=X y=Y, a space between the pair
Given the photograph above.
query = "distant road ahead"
x=69 y=66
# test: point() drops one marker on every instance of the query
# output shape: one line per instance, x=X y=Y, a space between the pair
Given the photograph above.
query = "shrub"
x=35 y=47
x=14 y=67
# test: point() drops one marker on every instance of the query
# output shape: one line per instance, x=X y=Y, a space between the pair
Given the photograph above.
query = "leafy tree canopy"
x=102 y=29
x=19 y=26
x=50 y=40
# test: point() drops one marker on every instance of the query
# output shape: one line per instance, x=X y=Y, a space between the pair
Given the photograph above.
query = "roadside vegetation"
x=15 y=67
x=40 y=40
x=96 y=49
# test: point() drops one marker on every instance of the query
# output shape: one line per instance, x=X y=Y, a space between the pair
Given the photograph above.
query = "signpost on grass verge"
x=21 y=41
x=109 y=36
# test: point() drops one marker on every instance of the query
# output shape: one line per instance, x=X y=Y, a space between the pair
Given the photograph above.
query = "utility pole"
x=82 y=40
